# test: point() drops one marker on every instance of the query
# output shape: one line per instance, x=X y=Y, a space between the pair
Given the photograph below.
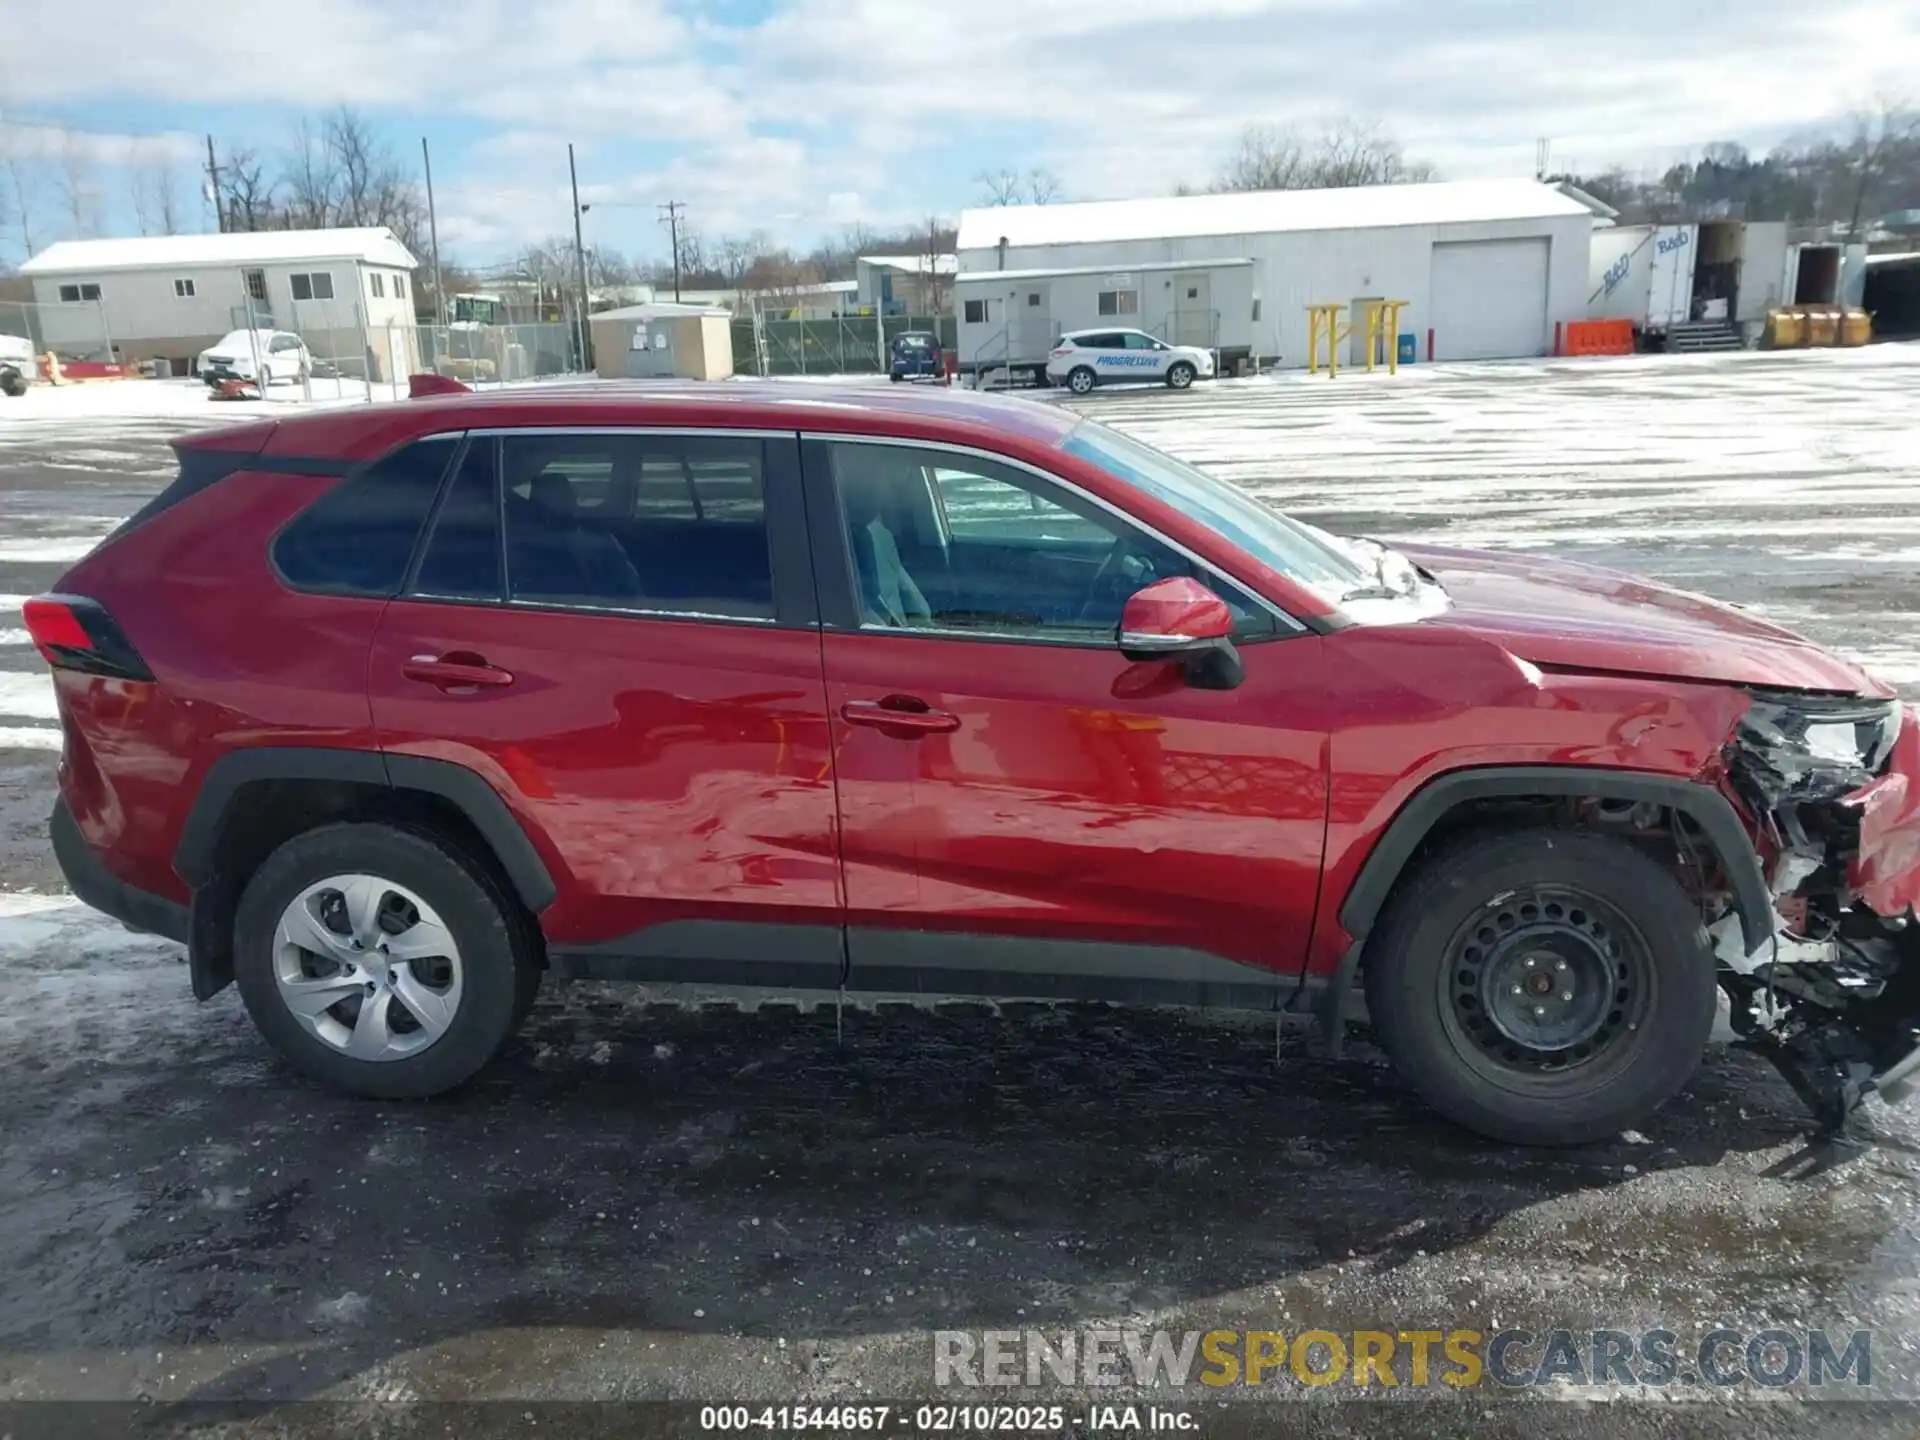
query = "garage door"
x=1489 y=299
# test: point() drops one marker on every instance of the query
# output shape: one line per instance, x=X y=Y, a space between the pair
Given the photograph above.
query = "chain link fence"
x=845 y=345
x=75 y=332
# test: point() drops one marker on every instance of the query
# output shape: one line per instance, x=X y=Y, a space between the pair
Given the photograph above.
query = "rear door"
x=616 y=630
x=1024 y=811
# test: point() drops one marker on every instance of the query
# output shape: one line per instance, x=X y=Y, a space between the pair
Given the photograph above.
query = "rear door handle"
x=901 y=714
x=455 y=672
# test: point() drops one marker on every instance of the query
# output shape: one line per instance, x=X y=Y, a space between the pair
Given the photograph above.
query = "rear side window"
x=462 y=560
x=662 y=523
x=358 y=537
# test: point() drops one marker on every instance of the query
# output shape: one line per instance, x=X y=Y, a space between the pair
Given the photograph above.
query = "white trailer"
x=1643 y=273
x=1009 y=319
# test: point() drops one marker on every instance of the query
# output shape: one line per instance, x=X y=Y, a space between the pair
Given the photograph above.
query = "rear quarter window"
x=358 y=537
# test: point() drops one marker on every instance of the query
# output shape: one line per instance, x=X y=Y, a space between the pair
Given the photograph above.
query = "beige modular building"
x=663 y=341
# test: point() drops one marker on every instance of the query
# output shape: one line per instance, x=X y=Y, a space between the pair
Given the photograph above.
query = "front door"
x=1034 y=322
x=1194 y=320
x=1023 y=811
x=634 y=666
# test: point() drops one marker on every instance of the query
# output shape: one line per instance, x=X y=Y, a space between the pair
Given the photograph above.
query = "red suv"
x=387 y=713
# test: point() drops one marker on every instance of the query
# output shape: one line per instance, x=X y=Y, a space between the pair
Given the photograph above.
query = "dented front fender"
x=1885 y=871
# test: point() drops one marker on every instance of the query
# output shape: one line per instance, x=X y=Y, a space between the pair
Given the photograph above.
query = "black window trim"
x=834 y=576
x=789 y=553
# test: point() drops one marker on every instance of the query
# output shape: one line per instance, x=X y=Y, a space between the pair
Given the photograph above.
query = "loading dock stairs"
x=1694 y=337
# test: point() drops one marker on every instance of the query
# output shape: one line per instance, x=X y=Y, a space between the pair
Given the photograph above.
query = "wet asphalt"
x=646 y=1202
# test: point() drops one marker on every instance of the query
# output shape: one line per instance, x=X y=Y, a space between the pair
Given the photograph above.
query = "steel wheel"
x=1546 y=980
x=367 y=967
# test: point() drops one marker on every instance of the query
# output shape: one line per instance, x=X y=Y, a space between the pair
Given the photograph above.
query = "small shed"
x=663 y=341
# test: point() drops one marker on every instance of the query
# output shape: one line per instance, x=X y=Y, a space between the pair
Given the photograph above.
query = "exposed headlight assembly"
x=1808 y=747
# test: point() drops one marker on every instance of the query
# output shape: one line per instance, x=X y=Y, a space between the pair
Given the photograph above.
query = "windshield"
x=1312 y=558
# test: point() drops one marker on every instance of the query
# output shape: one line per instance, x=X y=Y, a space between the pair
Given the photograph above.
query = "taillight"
x=72 y=632
x=1063 y=350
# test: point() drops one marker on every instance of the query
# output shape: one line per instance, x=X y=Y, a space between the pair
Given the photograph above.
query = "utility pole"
x=579 y=255
x=670 y=213
x=433 y=232
x=213 y=178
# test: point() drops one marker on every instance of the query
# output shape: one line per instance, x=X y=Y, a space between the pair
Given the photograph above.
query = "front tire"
x=1548 y=987
x=381 y=961
x=1081 y=379
x=1179 y=375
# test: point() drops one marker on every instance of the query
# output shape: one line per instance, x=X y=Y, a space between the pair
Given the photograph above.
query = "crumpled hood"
x=1558 y=612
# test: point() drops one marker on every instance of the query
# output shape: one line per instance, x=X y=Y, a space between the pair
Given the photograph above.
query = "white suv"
x=1086 y=358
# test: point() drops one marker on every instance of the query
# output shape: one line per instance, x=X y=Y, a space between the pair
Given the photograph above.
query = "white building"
x=348 y=292
x=1488 y=268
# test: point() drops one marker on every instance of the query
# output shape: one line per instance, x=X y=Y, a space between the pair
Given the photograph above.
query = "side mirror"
x=1181 y=619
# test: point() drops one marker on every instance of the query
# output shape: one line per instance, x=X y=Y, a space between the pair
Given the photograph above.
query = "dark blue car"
x=916 y=354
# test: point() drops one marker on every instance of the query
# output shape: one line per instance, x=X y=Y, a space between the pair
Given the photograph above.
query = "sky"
x=801 y=117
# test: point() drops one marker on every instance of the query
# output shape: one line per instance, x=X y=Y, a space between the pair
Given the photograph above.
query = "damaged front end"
x=1831 y=786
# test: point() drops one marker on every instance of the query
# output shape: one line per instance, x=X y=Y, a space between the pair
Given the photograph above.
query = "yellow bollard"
x=1325 y=318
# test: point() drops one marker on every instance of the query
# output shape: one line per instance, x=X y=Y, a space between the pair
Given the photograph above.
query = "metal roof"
x=374 y=245
x=943 y=264
x=1122 y=267
x=1259 y=212
x=658 y=310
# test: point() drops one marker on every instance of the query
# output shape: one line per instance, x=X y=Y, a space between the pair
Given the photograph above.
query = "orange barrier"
x=1600 y=337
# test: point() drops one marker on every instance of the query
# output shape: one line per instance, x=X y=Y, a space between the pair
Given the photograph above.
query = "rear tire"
x=473 y=975
x=13 y=385
x=1547 y=987
x=1179 y=375
x=1081 y=379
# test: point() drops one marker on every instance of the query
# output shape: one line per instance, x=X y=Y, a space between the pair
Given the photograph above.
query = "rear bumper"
x=90 y=880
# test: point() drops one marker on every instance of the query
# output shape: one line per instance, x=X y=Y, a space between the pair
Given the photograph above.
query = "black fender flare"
x=1705 y=806
x=467 y=791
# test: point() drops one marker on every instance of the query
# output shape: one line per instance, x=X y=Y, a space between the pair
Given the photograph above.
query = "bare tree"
x=312 y=184
x=1009 y=187
x=21 y=184
x=162 y=186
x=248 y=193
x=77 y=185
x=135 y=171
x=937 y=242
x=1891 y=127
x=1342 y=153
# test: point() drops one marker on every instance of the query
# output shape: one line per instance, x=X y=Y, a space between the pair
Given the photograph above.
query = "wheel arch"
x=1428 y=809
x=252 y=800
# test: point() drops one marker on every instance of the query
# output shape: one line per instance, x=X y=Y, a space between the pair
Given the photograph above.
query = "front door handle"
x=901 y=715
x=456 y=670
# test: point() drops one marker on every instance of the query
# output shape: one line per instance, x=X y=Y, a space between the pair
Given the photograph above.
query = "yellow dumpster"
x=1857 y=328
x=1786 y=329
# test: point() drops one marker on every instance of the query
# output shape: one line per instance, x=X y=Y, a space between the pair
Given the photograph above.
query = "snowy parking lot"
x=638 y=1202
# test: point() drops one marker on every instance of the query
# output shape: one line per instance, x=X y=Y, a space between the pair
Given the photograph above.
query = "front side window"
x=1136 y=341
x=660 y=523
x=943 y=541
x=358 y=537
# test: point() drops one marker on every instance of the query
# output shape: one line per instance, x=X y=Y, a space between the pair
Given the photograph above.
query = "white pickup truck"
x=18 y=368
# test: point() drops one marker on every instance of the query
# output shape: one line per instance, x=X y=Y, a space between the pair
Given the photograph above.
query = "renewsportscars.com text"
x=1456 y=1358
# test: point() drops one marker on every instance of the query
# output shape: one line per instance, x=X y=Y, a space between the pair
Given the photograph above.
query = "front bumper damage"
x=1832 y=789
